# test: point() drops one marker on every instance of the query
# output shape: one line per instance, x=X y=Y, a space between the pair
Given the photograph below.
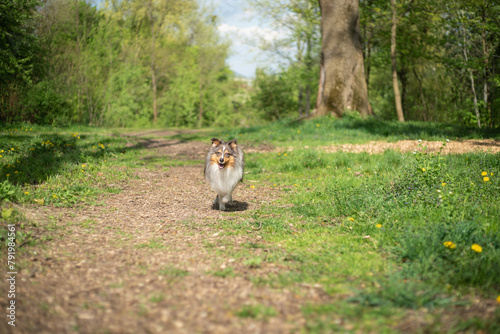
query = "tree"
x=298 y=21
x=17 y=40
x=395 y=84
x=342 y=84
x=18 y=53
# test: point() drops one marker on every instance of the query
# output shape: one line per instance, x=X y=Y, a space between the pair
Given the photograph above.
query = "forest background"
x=142 y=63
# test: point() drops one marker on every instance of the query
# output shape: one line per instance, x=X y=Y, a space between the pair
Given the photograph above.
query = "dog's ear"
x=233 y=144
x=215 y=142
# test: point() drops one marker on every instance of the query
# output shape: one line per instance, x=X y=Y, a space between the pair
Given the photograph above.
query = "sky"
x=238 y=23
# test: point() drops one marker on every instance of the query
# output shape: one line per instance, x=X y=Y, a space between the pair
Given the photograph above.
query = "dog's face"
x=223 y=154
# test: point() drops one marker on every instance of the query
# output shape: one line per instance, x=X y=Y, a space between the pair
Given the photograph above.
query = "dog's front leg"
x=216 y=200
x=226 y=199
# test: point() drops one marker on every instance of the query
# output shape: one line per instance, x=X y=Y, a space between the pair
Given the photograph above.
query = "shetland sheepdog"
x=224 y=169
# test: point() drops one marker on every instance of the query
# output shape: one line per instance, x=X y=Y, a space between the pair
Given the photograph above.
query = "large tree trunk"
x=342 y=83
x=397 y=94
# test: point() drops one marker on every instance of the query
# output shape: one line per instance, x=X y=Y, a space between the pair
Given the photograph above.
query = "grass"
x=384 y=235
x=384 y=223
x=256 y=311
x=330 y=130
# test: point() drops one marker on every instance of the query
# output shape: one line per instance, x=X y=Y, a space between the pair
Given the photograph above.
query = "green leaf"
x=6 y=213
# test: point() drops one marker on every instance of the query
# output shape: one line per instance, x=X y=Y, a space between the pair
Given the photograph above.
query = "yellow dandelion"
x=298 y=131
x=0 y=156
x=285 y=154
x=486 y=179
x=476 y=248
x=40 y=201
x=443 y=184
x=83 y=165
x=351 y=219
x=498 y=299
x=378 y=226
x=491 y=173
x=449 y=244
x=423 y=169
x=252 y=187
x=317 y=124
x=348 y=169
x=26 y=193
x=8 y=174
x=484 y=173
x=55 y=196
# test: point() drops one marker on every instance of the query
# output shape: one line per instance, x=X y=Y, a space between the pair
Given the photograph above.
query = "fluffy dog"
x=224 y=169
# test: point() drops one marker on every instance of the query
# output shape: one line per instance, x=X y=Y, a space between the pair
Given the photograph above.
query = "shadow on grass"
x=34 y=159
x=417 y=130
x=374 y=129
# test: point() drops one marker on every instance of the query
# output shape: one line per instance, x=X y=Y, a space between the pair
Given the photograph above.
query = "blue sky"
x=238 y=23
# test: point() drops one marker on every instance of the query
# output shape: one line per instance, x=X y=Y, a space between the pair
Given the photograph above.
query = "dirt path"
x=152 y=259
x=452 y=147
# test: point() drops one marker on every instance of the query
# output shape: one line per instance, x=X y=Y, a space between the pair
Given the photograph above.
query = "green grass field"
x=395 y=232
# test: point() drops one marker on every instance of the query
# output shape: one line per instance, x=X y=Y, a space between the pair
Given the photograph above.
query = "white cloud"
x=250 y=35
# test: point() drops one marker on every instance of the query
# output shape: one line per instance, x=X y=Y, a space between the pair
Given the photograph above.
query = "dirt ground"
x=144 y=260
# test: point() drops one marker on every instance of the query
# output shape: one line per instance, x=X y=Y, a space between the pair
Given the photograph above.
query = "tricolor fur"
x=224 y=169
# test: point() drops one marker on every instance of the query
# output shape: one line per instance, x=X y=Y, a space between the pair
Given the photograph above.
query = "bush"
x=43 y=104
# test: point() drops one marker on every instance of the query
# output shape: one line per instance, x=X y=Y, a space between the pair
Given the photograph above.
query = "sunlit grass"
x=380 y=229
x=330 y=130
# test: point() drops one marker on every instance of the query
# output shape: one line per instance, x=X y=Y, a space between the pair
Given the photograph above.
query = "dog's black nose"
x=221 y=160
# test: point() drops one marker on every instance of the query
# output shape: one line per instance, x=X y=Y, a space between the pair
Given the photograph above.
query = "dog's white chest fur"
x=223 y=181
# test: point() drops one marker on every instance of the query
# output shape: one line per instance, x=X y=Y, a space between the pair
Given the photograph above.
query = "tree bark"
x=486 y=88
x=421 y=90
x=301 y=99
x=308 y=99
x=153 y=63
x=200 y=109
x=78 y=57
x=395 y=84
x=473 y=85
x=342 y=84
